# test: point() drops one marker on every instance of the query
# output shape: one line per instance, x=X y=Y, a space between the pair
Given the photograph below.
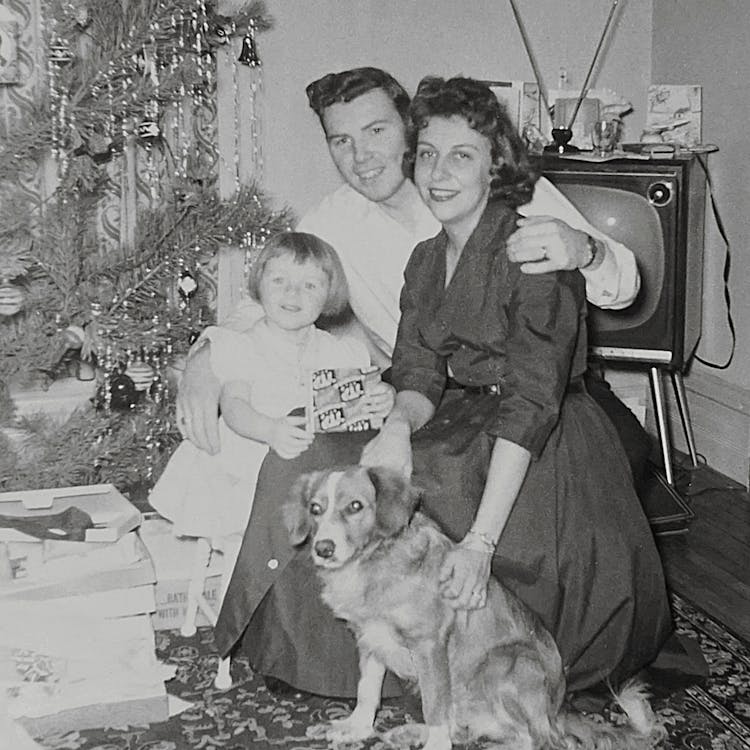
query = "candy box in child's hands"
x=336 y=400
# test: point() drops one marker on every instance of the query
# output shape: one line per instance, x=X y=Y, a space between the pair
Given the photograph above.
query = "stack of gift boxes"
x=77 y=643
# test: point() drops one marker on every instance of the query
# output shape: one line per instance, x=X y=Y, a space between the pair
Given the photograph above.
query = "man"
x=375 y=219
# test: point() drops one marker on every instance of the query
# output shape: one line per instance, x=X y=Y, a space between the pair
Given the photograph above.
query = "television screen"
x=656 y=209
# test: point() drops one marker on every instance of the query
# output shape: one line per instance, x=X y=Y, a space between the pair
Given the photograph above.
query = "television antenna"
x=562 y=136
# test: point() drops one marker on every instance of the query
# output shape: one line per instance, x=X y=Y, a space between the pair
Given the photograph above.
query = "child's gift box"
x=336 y=399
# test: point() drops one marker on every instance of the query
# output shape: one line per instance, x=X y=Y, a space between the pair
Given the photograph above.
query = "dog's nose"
x=324 y=548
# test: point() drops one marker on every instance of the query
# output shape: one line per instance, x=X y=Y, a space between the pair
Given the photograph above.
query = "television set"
x=656 y=207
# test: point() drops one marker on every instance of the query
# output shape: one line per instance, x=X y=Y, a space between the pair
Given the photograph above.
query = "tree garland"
x=114 y=69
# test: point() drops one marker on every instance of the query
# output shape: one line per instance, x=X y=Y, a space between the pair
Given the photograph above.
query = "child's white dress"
x=211 y=496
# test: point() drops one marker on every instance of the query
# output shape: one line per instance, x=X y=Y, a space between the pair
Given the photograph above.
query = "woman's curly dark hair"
x=513 y=178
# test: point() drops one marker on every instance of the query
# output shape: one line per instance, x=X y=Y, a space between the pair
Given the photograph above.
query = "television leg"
x=657 y=393
x=687 y=425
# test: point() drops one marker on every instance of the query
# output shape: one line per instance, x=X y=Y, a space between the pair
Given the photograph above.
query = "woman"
x=518 y=464
x=530 y=478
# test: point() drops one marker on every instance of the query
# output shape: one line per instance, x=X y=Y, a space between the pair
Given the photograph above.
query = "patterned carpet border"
x=726 y=696
x=713 y=717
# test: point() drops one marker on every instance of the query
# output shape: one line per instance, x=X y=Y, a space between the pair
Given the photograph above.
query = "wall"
x=412 y=38
x=706 y=43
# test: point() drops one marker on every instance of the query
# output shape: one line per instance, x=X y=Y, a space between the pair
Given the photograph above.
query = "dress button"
x=273 y=563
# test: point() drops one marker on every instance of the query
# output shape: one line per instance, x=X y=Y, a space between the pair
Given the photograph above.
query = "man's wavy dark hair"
x=339 y=88
x=513 y=177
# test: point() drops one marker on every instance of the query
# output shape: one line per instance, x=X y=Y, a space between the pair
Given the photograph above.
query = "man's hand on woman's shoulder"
x=543 y=244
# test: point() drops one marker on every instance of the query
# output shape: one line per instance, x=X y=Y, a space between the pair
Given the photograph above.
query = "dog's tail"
x=639 y=729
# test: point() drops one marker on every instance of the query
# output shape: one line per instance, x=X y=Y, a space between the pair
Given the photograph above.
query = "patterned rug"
x=715 y=717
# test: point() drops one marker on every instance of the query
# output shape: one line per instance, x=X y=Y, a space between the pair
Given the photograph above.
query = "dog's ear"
x=296 y=516
x=396 y=499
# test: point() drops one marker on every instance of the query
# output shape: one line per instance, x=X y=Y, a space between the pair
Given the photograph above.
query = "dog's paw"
x=406 y=735
x=350 y=729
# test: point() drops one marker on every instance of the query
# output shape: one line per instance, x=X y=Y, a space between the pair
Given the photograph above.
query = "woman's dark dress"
x=577 y=547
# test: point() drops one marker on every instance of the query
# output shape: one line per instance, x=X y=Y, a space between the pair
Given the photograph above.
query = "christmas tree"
x=110 y=221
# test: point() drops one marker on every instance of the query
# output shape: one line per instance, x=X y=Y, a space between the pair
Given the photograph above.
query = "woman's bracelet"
x=483 y=540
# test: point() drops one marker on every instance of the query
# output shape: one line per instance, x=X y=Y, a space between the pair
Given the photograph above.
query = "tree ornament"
x=249 y=53
x=74 y=337
x=193 y=336
x=148 y=131
x=141 y=373
x=59 y=53
x=86 y=370
x=122 y=392
x=218 y=35
x=101 y=148
x=156 y=389
x=187 y=285
x=83 y=17
x=11 y=298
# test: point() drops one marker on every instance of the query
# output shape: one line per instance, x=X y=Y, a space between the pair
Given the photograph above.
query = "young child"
x=264 y=374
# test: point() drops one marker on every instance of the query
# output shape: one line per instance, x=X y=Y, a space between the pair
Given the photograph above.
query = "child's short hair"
x=304 y=247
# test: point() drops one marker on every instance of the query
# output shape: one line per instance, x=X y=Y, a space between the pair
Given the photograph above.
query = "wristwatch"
x=593 y=247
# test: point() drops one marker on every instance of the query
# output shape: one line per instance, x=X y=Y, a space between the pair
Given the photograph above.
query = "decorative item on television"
x=674 y=114
x=564 y=117
x=9 y=30
x=336 y=399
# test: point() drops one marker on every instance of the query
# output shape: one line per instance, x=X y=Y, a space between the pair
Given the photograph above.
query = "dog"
x=493 y=673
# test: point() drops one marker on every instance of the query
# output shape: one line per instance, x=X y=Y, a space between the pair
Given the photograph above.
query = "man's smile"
x=370 y=174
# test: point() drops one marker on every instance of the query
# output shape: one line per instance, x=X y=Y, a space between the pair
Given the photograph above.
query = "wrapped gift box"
x=77 y=643
x=82 y=672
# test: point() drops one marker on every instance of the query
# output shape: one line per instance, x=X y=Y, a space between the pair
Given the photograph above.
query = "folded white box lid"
x=112 y=514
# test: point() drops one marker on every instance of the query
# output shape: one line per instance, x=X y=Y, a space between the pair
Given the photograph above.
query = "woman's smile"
x=439 y=194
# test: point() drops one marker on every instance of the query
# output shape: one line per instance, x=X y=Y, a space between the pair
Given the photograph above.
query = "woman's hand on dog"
x=464 y=576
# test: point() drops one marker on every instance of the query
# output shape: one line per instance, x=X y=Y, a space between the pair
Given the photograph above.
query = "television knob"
x=659 y=193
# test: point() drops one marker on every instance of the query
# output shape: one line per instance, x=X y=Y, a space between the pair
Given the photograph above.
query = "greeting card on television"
x=336 y=399
x=675 y=112
x=521 y=100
